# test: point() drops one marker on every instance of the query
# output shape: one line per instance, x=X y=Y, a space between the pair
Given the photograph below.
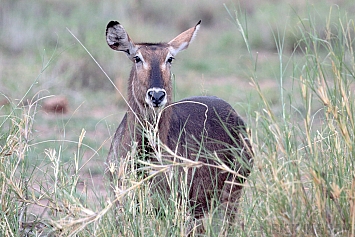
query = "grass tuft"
x=303 y=182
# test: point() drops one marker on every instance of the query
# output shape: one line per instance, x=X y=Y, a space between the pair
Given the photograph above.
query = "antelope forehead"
x=154 y=51
x=155 y=61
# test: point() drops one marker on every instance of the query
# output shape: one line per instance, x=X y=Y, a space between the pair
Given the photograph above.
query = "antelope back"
x=150 y=84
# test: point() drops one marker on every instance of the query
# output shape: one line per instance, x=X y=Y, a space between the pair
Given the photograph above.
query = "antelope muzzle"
x=156 y=97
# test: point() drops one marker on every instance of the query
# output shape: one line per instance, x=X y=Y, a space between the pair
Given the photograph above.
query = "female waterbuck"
x=204 y=129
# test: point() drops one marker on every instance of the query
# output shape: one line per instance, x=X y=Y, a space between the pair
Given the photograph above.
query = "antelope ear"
x=118 y=39
x=183 y=40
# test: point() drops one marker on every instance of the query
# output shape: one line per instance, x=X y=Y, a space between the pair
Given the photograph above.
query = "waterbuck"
x=204 y=129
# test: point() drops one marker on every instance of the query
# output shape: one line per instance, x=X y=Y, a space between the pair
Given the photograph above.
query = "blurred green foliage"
x=34 y=32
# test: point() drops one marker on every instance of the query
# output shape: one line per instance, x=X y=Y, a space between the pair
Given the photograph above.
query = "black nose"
x=156 y=97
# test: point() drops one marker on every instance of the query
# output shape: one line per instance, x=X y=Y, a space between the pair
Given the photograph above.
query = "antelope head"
x=150 y=85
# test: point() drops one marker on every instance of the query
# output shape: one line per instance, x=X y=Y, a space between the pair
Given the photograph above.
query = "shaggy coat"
x=204 y=129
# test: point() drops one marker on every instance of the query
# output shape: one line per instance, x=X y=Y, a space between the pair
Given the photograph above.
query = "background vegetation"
x=286 y=66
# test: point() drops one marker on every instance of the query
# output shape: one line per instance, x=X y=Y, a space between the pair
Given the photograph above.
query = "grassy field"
x=286 y=66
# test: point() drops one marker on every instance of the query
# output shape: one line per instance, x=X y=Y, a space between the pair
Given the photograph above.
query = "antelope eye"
x=137 y=59
x=170 y=60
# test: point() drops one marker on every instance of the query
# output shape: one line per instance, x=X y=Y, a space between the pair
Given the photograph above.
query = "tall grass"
x=302 y=184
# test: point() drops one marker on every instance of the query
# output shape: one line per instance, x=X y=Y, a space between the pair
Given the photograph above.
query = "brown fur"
x=197 y=128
